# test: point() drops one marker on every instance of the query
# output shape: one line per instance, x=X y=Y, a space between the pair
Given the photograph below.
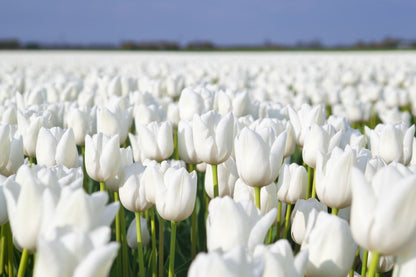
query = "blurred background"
x=208 y=25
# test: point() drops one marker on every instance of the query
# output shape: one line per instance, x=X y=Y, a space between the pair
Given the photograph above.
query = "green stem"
x=172 y=249
x=123 y=237
x=175 y=145
x=257 y=194
x=153 y=231
x=364 y=264
x=193 y=233
x=269 y=237
x=102 y=186
x=23 y=263
x=9 y=243
x=139 y=245
x=313 y=195
x=309 y=186
x=287 y=219
x=118 y=239
x=2 y=248
x=279 y=216
x=215 y=179
x=334 y=211
x=375 y=256
x=32 y=160
x=161 y=246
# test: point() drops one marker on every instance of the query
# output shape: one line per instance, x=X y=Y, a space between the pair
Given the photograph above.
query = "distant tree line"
x=387 y=43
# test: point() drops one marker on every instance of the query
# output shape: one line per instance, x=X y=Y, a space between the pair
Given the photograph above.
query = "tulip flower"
x=114 y=121
x=155 y=140
x=258 y=163
x=375 y=209
x=102 y=156
x=247 y=226
x=279 y=259
x=75 y=253
x=56 y=146
x=175 y=201
x=29 y=124
x=186 y=146
x=333 y=178
x=82 y=121
x=304 y=118
x=300 y=217
x=292 y=183
x=12 y=149
x=213 y=137
x=3 y=207
x=319 y=140
x=331 y=246
x=392 y=142
x=192 y=103
x=233 y=263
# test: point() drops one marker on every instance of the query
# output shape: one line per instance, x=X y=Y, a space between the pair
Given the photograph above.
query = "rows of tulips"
x=264 y=166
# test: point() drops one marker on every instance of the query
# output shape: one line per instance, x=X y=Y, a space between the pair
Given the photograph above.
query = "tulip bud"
x=258 y=164
x=292 y=183
x=56 y=146
x=331 y=246
x=213 y=137
x=133 y=192
x=176 y=195
x=300 y=217
x=102 y=156
x=155 y=140
x=186 y=146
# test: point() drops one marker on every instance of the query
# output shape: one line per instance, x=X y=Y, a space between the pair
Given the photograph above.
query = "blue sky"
x=222 y=22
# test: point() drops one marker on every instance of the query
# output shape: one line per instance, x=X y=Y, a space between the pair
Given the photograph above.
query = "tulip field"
x=207 y=164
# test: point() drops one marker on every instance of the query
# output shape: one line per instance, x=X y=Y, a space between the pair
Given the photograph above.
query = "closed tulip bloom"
x=292 y=183
x=319 y=140
x=29 y=124
x=234 y=263
x=279 y=259
x=22 y=196
x=176 y=195
x=247 y=226
x=56 y=146
x=75 y=253
x=144 y=114
x=133 y=192
x=3 y=207
x=81 y=120
x=227 y=176
x=392 y=142
x=132 y=233
x=258 y=163
x=268 y=199
x=384 y=206
x=333 y=177
x=213 y=137
x=12 y=151
x=191 y=103
x=186 y=145
x=4 y=145
x=102 y=156
x=331 y=246
x=155 y=140
x=300 y=217
x=114 y=121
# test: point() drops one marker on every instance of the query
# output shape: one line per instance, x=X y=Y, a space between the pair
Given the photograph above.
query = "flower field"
x=207 y=164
